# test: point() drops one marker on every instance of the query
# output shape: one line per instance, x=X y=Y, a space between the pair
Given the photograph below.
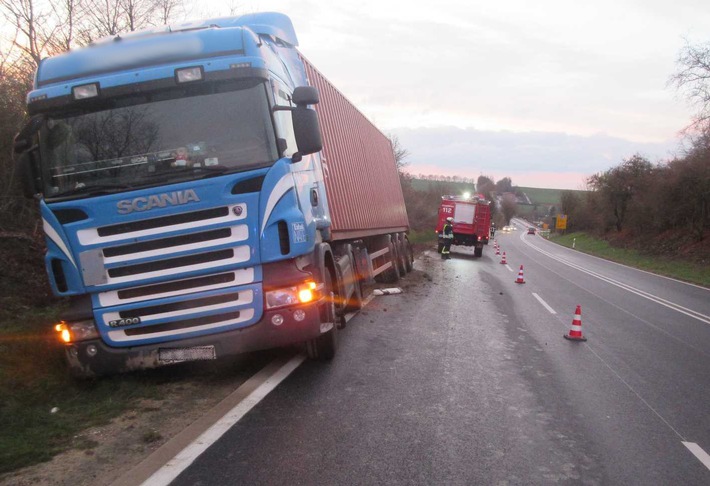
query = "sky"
x=546 y=92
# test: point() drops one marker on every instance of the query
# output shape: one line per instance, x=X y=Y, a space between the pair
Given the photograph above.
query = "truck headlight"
x=299 y=294
x=70 y=332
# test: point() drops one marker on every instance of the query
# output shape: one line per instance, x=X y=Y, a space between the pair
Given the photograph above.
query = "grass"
x=679 y=269
x=423 y=236
x=41 y=407
x=34 y=380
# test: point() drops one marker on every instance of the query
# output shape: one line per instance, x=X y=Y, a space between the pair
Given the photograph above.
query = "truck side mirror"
x=305 y=95
x=28 y=173
x=307 y=130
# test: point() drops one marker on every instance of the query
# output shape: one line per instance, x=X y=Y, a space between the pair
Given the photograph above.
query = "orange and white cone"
x=503 y=262
x=497 y=251
x=520 y=278
x=575 y=332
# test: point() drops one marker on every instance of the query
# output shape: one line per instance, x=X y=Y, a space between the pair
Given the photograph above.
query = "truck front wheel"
x=324 y=346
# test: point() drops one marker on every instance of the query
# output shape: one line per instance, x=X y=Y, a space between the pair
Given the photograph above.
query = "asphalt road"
x=465 y=378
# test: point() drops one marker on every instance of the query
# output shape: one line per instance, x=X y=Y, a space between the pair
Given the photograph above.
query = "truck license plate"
x=178 y=355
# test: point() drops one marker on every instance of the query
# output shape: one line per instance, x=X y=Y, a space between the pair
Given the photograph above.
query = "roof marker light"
x=188 y=75
x=85 y=91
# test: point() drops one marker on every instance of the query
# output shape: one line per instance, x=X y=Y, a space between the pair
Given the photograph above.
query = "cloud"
x=538 y=159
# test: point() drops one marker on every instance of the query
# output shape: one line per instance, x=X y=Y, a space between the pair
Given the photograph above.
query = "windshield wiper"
x=210 y=171
x=93 y=190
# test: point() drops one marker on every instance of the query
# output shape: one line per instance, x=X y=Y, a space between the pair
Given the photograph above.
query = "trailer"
x=205 y=191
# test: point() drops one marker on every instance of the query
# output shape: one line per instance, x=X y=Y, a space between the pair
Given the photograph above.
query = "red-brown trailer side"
x=361 y=179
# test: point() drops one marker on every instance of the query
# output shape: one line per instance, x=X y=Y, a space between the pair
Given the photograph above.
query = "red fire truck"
x=472 y=220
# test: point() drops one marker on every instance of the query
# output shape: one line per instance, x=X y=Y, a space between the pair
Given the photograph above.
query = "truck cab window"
x=284 y=124
x=141 y=140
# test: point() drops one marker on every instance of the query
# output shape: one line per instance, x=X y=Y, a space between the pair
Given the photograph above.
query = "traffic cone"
x=503 y=262
x=497 y=251
x=520 y=278
x=575 y=332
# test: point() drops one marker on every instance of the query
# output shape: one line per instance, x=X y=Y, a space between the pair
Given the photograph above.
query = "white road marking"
x=544 y=304
x=698 y=452
x=183 y=459
x=641 y=293
x=627 y=266
x=166 y=474
x=508 y=267
x=638 y=395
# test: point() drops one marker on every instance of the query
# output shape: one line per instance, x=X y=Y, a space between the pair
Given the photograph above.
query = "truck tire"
x=325 y=346
x=355 y=303
x=478 y=251
x=391 y=275
x=401 y=257
x=409 y=256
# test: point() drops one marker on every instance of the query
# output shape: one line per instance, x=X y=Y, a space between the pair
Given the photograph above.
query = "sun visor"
x=135 y=52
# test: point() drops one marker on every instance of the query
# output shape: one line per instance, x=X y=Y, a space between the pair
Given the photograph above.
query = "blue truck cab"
x=181 y=192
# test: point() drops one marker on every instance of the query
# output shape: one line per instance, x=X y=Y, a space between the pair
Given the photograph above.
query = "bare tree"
x=619 y=185
x=166 y=10
x=509 y=207
x=693 y=77
x=32 y=26
x=400 y=153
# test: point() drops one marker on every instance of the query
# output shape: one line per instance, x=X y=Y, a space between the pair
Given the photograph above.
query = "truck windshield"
x=156 y=139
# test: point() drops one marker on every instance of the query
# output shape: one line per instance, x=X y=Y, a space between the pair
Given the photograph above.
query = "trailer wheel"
x=409 y=256
x=391 y=275
x=401 y=257
x=324 y=346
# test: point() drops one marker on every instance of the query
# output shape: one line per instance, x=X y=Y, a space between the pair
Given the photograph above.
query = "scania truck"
x=471 y=220
x=205 y=191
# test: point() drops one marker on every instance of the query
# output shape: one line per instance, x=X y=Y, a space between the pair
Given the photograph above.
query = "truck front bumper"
x=95 y=358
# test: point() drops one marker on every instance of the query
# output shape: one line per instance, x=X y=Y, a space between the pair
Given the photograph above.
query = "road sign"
x=561 y=222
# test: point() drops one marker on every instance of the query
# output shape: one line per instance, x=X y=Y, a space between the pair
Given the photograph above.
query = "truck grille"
x=164 y=247
x=179 y=325
x=167 y=242
x=172 y=263
x=179 y=306
x=171 y=276
x=172 y=220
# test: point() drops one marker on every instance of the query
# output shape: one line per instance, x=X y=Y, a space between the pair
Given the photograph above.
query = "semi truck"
x=471 y=221
x=205 y=191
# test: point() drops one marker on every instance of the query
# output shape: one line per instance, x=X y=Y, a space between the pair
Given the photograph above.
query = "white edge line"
x=573 y=250
x=646 y=295
x=544 y=304
x=166 y=474
x=508 y=267
x=699 y=453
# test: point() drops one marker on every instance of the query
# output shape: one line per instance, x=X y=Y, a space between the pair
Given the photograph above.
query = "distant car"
x=531 y=230
x=506 y=229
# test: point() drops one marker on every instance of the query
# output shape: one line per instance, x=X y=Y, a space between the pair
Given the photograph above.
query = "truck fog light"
x=91 y=350
x=299 y=315
x=277 y=319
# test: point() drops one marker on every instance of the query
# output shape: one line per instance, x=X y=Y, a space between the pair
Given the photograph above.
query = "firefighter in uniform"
x=447 y=237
